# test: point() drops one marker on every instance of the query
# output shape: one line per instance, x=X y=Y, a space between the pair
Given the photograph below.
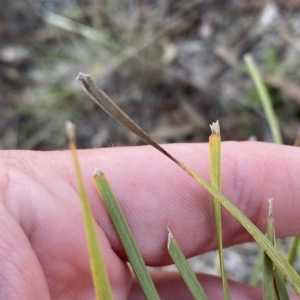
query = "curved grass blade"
x=290 y=274
x=99 y=272
x=215 y=178
x=185 y=269
x=99 y=96
x=265 y=98
x=278 y=259
x=118 y=219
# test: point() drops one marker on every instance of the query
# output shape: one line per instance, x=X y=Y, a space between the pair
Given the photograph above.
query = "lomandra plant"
x=276 y=266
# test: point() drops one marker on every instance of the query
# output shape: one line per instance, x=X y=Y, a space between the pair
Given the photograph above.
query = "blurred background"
x=174 y=66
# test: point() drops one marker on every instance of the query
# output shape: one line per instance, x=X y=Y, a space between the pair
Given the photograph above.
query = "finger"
x=154 y=192
x=171 y=286
x=21 y=275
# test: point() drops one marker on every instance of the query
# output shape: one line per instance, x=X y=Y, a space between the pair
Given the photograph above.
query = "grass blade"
x=99 y=272
x=281 y=290
x=278 y=259
x=268 y=264
x=99 y=96
x=185 y=269
x=118 y=219
x=265 y=98
x=276 y=134
x=290 y=274
x=293 y=250
x=272 y=277
x=215 y=178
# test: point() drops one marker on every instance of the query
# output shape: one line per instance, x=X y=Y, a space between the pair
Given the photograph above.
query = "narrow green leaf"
x=215 y=178
x=280 y=286
x=272 y=277
x=265 y=98
x=278 y=259
x=276 y=134
x=293 y=250
x=113 y=110
x=99 y=272
x=268 y=264
x=118 y=219
x=185 y=269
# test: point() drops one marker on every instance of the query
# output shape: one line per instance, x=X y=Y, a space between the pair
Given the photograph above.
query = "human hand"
x=43 y=252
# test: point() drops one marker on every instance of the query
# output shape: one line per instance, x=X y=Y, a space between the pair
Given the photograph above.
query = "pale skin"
x=43 y=252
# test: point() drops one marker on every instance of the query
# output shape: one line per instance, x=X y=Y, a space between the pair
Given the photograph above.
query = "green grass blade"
x=111 y=108
x=276 y=280
x=99 y=272
x=278 y=259
x=265 y=98
x=268 y=264
x=215 y=178
x=276 y=134
x=293 y=250
x=280 y=286
x=118 y=219
x=185 y=269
